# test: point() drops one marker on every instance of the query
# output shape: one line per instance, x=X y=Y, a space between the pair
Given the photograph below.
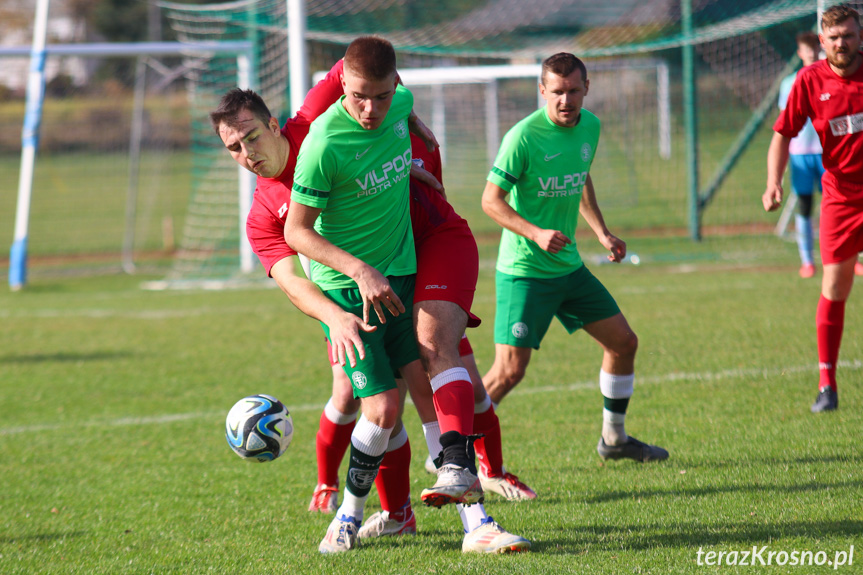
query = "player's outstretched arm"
x=495 y=206
x=589 y=210
x=344 y=327
x=777 y=161
x=374 y=288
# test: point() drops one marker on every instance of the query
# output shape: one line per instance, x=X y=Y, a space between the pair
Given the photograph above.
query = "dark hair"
x=562 y=64
x=838 y=14
x=371 y=57
x=234 y=102
x=809 y=39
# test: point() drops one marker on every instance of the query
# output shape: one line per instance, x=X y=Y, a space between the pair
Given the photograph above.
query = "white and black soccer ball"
x=259 y=428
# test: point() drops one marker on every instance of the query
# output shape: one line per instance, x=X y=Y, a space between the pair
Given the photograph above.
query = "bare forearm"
x=309 y=242
x=589 y=210
x=495 y=206
x=777 y=159
x=303 y=293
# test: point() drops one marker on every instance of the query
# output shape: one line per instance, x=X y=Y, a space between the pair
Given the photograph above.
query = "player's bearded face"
x=256 y=146
x=564 y=96
x=842 y=44
x=368 y=101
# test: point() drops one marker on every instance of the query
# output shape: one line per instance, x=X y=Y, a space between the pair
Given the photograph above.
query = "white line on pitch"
x=647 y=380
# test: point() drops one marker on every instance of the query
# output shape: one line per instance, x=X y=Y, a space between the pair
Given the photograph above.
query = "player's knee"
x=435 y=359
x=626 y=346
x=513 y=373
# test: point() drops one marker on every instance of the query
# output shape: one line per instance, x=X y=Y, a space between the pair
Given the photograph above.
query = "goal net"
x=460 y=57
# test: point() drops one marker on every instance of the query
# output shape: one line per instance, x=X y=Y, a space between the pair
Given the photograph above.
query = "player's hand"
x=551 y=241
x=345 y=337
x=772 y=197
x=377 y=293
x=427 y=178
x=419 y=129
x=615 y=245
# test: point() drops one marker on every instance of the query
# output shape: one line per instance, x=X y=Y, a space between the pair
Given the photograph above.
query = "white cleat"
x=341 y=536
x=508 y=485
x=325 y=499
x=454 y=485
x=381 y=524
x=490 y=537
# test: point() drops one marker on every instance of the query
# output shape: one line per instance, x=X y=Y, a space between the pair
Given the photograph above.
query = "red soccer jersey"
x=835 y=105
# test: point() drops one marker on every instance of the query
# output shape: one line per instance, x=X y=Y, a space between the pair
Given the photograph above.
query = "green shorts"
x=525 y=306
x=389 y=347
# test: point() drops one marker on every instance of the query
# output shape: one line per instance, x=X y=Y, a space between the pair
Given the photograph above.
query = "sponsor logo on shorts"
x=519 y=330
x=585 y=152
x=435 y=286
x=360 y=380
x=846 y=125
x=401 y=129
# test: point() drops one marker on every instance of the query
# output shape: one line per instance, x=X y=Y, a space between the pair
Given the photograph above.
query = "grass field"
x=112 y=449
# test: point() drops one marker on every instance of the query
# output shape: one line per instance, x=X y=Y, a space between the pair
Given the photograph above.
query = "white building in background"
x=17 y=32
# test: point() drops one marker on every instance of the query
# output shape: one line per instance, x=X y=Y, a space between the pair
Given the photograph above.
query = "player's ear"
x=273 y=125
x=586 y=86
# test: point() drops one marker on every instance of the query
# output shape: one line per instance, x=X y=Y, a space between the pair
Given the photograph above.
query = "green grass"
x=112 y=450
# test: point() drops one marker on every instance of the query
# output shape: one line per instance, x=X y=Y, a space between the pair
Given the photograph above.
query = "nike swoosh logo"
x=363 y=153
x=547 y=157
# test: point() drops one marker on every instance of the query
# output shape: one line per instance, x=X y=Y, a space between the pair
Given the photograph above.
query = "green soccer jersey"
x=359 y=178
x=544 y=168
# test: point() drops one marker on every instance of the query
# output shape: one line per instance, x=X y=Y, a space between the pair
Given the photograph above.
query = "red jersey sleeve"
x=323 y=94
x=797 y=110
x=266 y=232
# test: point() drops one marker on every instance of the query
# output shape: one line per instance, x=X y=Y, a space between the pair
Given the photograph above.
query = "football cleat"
x=632 y=449
x=381 y=524
x=807 y=271
x=454 y=485
x=507 y=485
x=490 y=537
x=325 y=499
x=341 y=535
x=827 y=400
x=858 y=269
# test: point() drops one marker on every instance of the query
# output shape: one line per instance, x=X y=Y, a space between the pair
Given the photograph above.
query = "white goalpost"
x=242 y=50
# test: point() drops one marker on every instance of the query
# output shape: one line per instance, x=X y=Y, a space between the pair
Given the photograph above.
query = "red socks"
x=331 y=443
x=829 y=324
x=489 y=454
x=393 y=481
x=453 y=404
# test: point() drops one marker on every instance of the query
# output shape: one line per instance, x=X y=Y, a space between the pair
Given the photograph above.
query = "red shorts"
x=841 y=228
x=448 y=267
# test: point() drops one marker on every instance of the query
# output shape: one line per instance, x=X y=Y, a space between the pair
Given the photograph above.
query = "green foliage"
x=112 y=402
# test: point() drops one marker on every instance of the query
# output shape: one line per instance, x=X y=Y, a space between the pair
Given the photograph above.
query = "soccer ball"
x=259 y=428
